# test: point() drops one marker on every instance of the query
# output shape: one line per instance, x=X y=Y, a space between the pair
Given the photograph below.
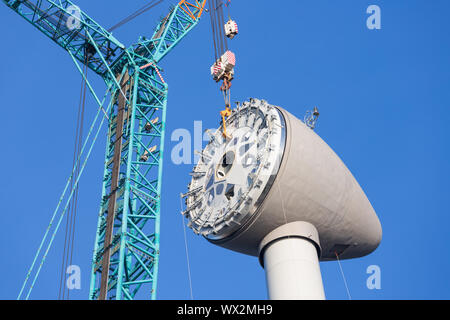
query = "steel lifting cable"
x=227 y=96
x=343 y=276
x=220 y=42
x=64 y=256
x=186 y=248
x=217 y=31
x=211 y=14
x=217 y=28
x=221 y=25
x=80 y=139
x=136 y=14
x=71 y=209
x=217 y=25
x=71 y=206
x=62 y=214
x=69 y=238
x=227 y=4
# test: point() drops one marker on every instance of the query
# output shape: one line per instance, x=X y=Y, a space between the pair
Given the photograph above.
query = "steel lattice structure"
x=126 y=250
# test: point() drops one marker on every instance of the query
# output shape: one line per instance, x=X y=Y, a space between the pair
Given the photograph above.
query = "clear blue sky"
x=384 y=102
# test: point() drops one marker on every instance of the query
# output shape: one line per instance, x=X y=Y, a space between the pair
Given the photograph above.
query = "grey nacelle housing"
x=309 y=184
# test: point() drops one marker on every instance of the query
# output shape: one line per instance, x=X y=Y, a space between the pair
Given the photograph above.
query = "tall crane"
x=126 y=250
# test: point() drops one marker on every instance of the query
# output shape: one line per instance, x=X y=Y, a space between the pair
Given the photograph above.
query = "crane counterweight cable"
x=343 y=275
x=69 y=238
x=136 y=14
x=224 y=60
x=186 y=249
x=77 y=177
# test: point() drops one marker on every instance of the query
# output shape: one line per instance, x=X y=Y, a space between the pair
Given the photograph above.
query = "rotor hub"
x=234 y=174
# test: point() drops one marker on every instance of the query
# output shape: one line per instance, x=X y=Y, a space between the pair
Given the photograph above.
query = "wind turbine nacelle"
x=271 y=170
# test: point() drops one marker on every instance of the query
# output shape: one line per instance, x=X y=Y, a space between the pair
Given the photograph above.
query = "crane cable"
x=77 y=177
x=69 y=238
x=217 y=23
x=136 y=14
x=186 y=248
x=221 y=24
x=77 y=149
x=343 y=276
x=292 y=248
x=220 y=47
x=213 y=32
x=227 y=4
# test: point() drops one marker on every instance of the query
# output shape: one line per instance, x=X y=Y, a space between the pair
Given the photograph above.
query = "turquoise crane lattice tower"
x=126 y=251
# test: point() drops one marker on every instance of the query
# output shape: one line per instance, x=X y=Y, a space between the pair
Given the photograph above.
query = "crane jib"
x=128 y=228
x=68 y=26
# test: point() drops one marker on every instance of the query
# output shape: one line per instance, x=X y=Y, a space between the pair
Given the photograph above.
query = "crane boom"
x=180 y=20
x=126 y=251
x=65 y=24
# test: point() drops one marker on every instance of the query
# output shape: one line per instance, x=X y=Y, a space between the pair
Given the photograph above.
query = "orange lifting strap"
x=225 y=114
